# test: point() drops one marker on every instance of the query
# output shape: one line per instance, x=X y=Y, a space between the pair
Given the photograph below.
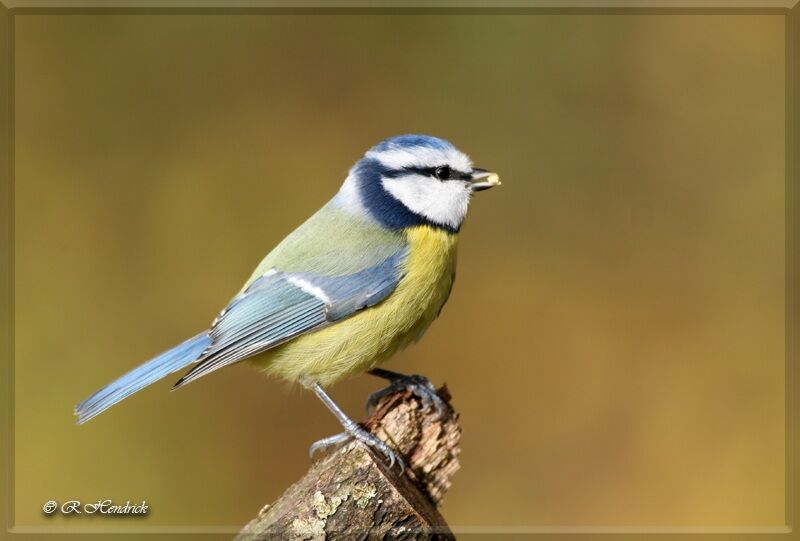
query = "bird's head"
x=413 y=180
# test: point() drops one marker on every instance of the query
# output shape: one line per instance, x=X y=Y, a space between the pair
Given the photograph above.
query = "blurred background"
x=615 y=339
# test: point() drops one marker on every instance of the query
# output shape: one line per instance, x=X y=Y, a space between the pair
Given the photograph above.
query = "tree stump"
x=352 y=494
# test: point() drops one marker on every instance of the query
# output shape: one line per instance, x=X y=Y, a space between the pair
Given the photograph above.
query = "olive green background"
x=615 y=338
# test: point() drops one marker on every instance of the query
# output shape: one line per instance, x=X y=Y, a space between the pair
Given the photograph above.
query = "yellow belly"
x=373 y=335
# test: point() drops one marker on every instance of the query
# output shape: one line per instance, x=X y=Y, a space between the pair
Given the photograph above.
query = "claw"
x=374 y=398
x=419 y=386
x=327 y=442
x=364 y=437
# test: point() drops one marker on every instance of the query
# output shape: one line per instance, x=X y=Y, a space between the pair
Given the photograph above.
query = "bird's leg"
x=351 y=430
x=419 y=386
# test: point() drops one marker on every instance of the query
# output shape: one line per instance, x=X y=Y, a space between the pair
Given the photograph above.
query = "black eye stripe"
x=432 y=172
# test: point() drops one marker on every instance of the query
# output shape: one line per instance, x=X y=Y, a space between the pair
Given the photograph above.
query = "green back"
x=332 y=242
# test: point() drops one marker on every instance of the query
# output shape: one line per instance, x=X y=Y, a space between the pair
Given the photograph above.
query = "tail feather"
x=140 y=377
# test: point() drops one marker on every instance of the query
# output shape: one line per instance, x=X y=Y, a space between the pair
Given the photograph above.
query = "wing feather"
x=280 y=306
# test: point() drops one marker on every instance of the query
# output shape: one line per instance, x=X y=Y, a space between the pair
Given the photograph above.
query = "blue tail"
x=140 y=377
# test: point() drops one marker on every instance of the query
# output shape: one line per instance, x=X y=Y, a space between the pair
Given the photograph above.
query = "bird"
x=362 y=278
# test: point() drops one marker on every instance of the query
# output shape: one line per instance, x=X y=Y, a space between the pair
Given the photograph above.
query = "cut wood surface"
x=351 y=493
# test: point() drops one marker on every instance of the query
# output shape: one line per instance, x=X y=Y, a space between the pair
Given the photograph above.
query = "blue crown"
x=412 y=140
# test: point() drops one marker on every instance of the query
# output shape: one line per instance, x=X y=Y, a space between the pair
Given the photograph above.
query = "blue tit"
x=363 y=277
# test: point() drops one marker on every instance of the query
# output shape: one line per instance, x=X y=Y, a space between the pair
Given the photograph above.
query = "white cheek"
x=441 y=202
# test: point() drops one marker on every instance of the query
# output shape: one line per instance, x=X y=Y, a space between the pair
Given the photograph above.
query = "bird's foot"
x=365 y=437
x=419 y=386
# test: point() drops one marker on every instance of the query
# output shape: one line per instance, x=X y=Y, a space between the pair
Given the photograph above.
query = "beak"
x=482 y=179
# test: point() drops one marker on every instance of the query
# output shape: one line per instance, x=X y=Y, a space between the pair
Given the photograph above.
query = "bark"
x=351 y=494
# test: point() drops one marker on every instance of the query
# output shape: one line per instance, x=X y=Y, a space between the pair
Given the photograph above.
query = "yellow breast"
x=371 y=336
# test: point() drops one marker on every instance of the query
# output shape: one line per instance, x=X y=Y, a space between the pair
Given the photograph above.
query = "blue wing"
x=282 y=305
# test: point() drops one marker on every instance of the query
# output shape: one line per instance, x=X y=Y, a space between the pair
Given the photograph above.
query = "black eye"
x=442 y=173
